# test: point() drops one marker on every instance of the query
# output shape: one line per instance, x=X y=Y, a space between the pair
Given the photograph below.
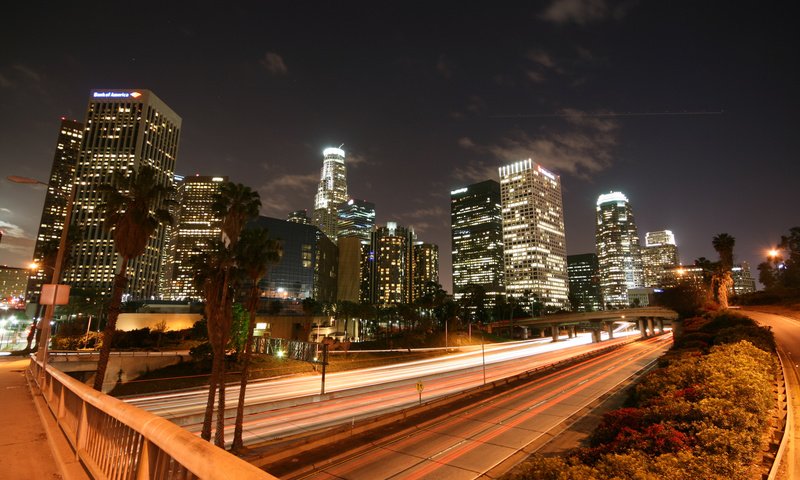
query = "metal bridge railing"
x=115 y=440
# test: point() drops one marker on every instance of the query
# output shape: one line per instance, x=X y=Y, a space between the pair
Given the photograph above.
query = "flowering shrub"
x=700 y=415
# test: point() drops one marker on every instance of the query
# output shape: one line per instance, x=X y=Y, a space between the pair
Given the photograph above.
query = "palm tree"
x=134 y=206
x=255 y=253
x=235 y=204
x=723 y=244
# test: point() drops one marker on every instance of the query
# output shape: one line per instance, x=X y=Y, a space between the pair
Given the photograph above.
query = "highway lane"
x=502 y=360
x=476 y=440
x=787 y=336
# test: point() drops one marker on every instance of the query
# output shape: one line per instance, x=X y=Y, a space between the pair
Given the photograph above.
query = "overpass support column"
x=571 y=331
x=610 y=327
x=650 y=328
x=554 y=329
x=660 y=325
x=595 y=335
x=642 y=329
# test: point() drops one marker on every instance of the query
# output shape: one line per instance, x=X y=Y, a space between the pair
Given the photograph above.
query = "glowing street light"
x=56 y=293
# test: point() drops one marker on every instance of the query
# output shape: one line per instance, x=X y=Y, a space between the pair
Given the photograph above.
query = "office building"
x=391 y=264
x=124 y=130
x=196 y=227
x=59 y=189
x=618 y=251
x=476 y=229
x=743 y=282
x=426 y=269
x=534 y=245
x=13 y=283
x=299 y=216
x=659 y=254
x=351 y=259
x=331 y=192
x=356 y=219
x=584 y=283
x=308 y=268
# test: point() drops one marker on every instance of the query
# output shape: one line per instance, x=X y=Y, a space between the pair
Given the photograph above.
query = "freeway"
x=380 y=389
x=489 y=437
x=787 y=336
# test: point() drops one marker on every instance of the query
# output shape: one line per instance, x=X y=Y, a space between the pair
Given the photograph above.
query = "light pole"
x=62 y=246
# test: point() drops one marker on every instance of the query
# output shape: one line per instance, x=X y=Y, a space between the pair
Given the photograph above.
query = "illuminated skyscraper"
x=125 y=130
x=743 y=282
x=618 y=250
x=196 y=227
x=534 y=244
x=426 y=269
x=584 y=283
x=331 y=193
x=299 y=216
x=59 y=188
x=356 y=219
x=659 y=255
x=391 y=265
x=476 y=227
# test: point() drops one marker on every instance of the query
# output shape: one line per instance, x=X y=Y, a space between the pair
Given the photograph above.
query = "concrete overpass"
x=122 y=366
x=649 y=319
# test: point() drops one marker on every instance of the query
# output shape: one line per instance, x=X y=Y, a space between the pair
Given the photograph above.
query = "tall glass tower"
x=584 y=283
x=125 y=129
x=476 y=229
x=196 y=227
x=331 y=193
x=391 y=265
x=534 y=244
x=59 y=188
x=659 y=255
x=618 y=251
x=356 y=219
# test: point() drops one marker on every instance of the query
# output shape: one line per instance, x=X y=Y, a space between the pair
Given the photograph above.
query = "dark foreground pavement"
x=31 y=444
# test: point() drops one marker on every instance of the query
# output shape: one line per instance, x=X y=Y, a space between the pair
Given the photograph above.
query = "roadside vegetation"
x=704 y=412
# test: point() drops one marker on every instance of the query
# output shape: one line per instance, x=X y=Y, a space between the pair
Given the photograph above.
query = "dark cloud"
x=274 y=64
x=443 y=67
x=583 y=146
x=583 y=12
x=284 y=193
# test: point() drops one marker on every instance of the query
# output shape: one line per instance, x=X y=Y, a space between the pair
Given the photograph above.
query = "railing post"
x=81 y=432
x=61 y=405
x=147 y=461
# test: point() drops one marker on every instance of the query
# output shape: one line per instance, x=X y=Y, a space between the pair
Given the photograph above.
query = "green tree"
x=768 y=275
x=346 y=310
x=256 y=251
x=790 y=273
x=134 y=206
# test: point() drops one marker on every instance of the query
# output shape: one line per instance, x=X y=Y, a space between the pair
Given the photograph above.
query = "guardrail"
x=788 y=426
x=115 y=440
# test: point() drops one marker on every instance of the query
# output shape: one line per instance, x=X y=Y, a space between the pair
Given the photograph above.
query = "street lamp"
x=56 y=291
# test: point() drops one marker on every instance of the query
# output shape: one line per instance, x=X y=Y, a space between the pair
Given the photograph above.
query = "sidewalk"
x=31 y=445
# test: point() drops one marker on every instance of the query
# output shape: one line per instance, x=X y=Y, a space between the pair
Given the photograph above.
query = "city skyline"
x=604 y=97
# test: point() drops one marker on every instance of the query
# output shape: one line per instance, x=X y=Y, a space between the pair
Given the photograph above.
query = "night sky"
x=690 y=108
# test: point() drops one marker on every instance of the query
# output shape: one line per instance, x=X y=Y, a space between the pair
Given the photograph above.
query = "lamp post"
x=62 y=246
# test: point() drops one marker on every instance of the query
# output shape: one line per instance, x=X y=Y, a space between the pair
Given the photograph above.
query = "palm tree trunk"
x=219 y=433
x=225 y=316
x=238 y=443
x=212 y=396
x=120 y=282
